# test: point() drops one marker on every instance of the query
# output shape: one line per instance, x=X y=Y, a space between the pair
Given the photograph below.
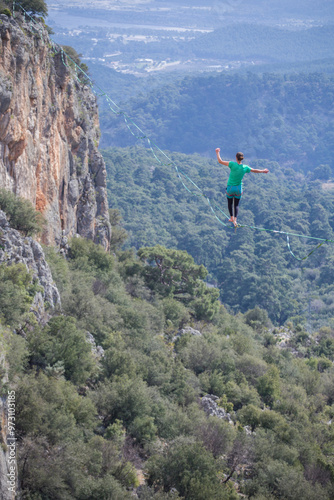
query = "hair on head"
x=239 y=156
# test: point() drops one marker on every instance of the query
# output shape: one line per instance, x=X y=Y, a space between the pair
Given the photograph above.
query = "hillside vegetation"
x=249 y=267
x=191 y=361
x=93 y=422
x=279 y=118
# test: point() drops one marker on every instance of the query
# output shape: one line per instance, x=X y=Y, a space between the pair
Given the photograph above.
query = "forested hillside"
x=109 y=393
x=279 y=118
x=184 y=359
x=250 y=267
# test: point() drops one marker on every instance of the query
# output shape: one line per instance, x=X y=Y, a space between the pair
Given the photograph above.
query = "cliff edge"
x=49 y=134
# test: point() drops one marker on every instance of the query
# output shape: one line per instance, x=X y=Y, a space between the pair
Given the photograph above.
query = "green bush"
x=31 y=6
x=5 y=10
x=89 y=257
x=175 y=312
x=17 y=291
x=118 y=233
x=74 y=59
x=21 y=214
x=143 y=429
x=130 y=401
x=61 y=341
x=147 y=493
x=257 y=318
x=174 y=274
x=269 y=385
x=52 y=408
x=191 y=469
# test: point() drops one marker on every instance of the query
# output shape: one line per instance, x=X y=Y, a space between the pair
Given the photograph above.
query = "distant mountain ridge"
x=267 y=43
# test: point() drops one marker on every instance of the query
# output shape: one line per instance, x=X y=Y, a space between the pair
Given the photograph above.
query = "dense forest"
x=122 y=87
x=285 y=118
x=245 y=42
x=250 y=267
x=125 y=414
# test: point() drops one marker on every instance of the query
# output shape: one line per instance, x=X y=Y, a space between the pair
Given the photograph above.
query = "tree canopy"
x=31 y=6
x=110 y=391
x=250 y=267
x=283 y=118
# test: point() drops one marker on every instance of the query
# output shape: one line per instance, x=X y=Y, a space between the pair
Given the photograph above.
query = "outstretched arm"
x=219 y=158
x=257 y=171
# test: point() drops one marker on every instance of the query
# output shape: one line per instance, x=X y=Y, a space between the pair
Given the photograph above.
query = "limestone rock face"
x=49 y=134
x=15 y=249
x=211 y=408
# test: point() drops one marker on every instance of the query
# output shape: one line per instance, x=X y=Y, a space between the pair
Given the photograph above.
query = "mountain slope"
x=279 y=118
x=250 y=267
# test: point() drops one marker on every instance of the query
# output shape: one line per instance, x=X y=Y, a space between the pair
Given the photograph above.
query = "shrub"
x=190 y=468
x=31 y=6
x=143 y=429
x=17 y=290
x=74 y=59
x=5 y=10
x=176 y=313
x=88 y=256
x=257 y=318
x=21 y=214
x=61 y=341
x=269 y=385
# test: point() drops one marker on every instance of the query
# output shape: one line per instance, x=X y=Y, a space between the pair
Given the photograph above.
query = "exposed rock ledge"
x=14 y=249
x=211 y=408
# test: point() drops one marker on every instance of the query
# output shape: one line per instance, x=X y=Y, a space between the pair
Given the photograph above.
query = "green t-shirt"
x=237 y=173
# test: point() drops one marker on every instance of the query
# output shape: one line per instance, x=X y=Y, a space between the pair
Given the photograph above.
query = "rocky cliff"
x=49 y=133
x=14 y=249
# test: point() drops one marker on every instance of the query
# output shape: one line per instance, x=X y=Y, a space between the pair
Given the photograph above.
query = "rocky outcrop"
x=97 y=350
x=187 y=330
x=14 y=249
x=211 y=408
x=49 y=134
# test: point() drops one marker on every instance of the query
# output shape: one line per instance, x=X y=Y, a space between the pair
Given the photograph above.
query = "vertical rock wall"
x=17 y=249
x=49 y=134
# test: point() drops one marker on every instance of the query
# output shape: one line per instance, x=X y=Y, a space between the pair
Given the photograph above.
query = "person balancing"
x=234 y=183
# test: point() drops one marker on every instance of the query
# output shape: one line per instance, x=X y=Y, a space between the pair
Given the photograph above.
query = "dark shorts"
x=234 y=191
